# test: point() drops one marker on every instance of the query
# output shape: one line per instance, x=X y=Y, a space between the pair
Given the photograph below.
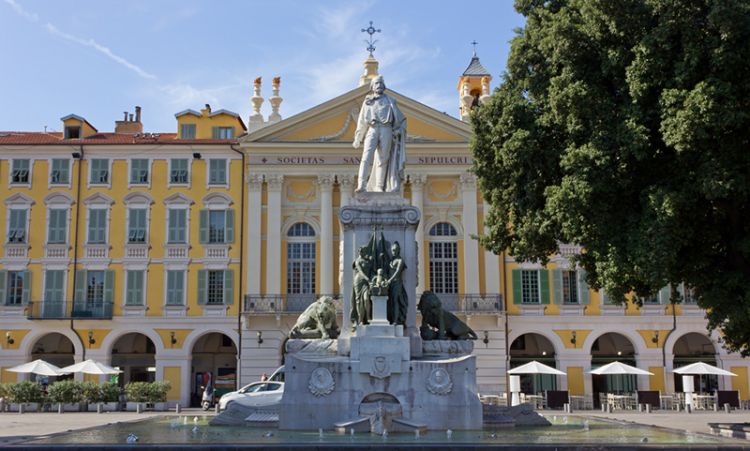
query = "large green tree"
x=624 y=126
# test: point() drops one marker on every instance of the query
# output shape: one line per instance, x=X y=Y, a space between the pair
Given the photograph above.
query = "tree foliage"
x=624 y=126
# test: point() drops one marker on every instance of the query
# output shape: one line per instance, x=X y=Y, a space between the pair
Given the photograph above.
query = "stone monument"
x=378 y=375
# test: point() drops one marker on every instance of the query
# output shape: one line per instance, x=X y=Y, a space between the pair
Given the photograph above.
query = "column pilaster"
x=417 y=182
x=325 y=182
x=254 y=209
x=274 y=183
x=471 y=247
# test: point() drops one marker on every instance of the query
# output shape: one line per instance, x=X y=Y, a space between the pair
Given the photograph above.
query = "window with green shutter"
x=17 y=226
x=217 y=171
x=137 y=225
x=177 y=226
x=97 y=226
x=530 y=287
x=215 y=288
x=187 y=131
x=178 y=171
x=94 y=287
x=58 y=226
x=54 y=286
x=175 y=287
x=139 y=171
x=60 y=173
x=20 y=171
x=134 y=289
x=14 y=288
x=216 y=226
x=565 y=287
x=99 y=171
x=222 y=132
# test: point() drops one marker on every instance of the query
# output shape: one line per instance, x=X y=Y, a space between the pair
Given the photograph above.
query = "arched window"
x=300 y=259
x=443 y=252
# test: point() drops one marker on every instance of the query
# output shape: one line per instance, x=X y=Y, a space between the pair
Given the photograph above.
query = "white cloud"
x=22 y=12
x=101 y=49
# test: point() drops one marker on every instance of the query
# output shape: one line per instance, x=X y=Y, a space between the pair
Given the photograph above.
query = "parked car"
x=254 y=395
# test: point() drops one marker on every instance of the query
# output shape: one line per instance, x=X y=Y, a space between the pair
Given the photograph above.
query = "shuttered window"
x=20 y=171
x=99 y=171
x=217 y=171
x=97 y=226
x=217 y=226
x=177 y=226
x=178 y=171
x=175 y=287
x=53 y=286
x=137 y=225
x=139 y=171
x=134 y=289
x=187 y=131
x=58 y=226
x=17 y=226
x=60 y=173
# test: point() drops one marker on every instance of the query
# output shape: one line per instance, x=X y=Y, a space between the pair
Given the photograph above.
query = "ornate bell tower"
x=473 y=86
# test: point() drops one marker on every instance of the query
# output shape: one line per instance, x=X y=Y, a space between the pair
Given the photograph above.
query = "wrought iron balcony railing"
x=61 y=310
x=296 y=303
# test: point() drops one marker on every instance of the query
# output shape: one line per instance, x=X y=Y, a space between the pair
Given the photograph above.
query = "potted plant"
x=158 y=394
x=92 y=395
x=110 y=396
x=137 y=393
x=28 y=393
x=4 y=395
x=69 y=393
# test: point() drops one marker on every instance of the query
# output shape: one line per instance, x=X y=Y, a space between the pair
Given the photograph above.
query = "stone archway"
x=54 y=348
x=533 y=346
x=216 y=354
x=691 y=348
x=135 y=354
x=608 y=348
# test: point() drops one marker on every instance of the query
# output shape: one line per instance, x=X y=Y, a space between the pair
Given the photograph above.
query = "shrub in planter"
x=157 y=391
x=66 y=392
x=24 y=392
x=91 y=392
x=110 y=392
x=4 y=391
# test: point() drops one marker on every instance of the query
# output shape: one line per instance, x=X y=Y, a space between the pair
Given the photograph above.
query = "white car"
x=255 y=395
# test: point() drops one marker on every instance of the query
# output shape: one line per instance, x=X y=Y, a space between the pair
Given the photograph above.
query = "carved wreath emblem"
x=439 y=382
x=321 y=382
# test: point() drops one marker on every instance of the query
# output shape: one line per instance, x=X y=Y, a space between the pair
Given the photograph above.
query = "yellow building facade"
x=178 y=254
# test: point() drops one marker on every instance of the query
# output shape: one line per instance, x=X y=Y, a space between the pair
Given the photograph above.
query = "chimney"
x=128 y=125
x=206 y=110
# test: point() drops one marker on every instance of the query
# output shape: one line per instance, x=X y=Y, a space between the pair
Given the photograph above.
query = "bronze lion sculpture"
x=438 y=324
x=317 y=321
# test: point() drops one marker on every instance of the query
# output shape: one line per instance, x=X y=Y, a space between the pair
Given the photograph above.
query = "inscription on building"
x=320 y=160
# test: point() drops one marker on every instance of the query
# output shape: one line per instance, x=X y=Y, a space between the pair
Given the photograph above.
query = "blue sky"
x=100 y=58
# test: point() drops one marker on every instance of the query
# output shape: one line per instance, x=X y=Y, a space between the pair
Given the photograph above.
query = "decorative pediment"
x=138 y=198
x=58 y=198
x=178 y=199
x=336 y=120
x=99 y=199
x=19 y=199
x=218 y=200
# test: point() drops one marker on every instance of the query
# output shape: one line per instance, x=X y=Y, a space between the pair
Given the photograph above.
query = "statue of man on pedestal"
x=382 y=128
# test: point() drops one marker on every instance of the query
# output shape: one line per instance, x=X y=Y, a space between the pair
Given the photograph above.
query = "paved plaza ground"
x=16 y=428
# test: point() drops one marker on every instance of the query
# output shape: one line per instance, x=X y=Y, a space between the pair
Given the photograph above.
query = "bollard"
x=604 y=407
x=177 y=408
x=138 y=408
x=216 y=408
x=60 y=408
x=688 y=408
x=21 y=407
x=727 y=408
x=640 y=407
x=716 y=407
x=2 y=404
x=648 y=408
x=99 y=407
x=566 y=407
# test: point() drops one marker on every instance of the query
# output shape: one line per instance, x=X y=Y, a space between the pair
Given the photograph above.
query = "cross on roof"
x=370 y=43
x=474 y=44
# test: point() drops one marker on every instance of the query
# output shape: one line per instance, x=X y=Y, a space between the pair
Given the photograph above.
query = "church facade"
x=179 y=254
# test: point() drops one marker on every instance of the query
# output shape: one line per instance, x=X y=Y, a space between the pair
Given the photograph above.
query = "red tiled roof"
x=37 y=138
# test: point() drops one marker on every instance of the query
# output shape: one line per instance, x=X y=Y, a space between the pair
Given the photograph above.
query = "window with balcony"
x=177 y=226
x=60 y=172
x=569 y=287
x=97 y=230
x=20 y=172
x=17 y=226
x=57 y=231
x=134 y=288
x=99 y=171
x=187 y=131
x=139 y=171
x=54 y=294
x=94 y=294
x=222 y=132
x=15 y=287
x=443 y=255
x=217 y=171
x=217 y=226
x=175 y=287
x=95 y=287
x=300 y=263
x=178 y=171
x=215 y=287
x=137 y=225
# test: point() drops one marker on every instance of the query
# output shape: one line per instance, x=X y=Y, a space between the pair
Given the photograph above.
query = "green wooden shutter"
x=544 y=286
x=228 y=287
x=203 y=235
x=3 y=278
x=202 y=286
x=62 y=166
x=26 y=289
x=664 y=295
x=215 y=132
x=229 y=226
x=80 y=293
x=517 y=291
x=138 y=288
x=583 y=287
x=109 y=286
x=557 y=287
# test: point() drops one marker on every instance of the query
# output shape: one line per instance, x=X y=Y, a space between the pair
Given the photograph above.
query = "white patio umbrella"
x=40 y=367
x=535 y=367
x=702 y=368
x=91 y=367
x=620 y=368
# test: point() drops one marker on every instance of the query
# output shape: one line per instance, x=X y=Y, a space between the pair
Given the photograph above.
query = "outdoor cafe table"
x=536 y=400
x=577 y=402
x=620 y=401
x=704 y=402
